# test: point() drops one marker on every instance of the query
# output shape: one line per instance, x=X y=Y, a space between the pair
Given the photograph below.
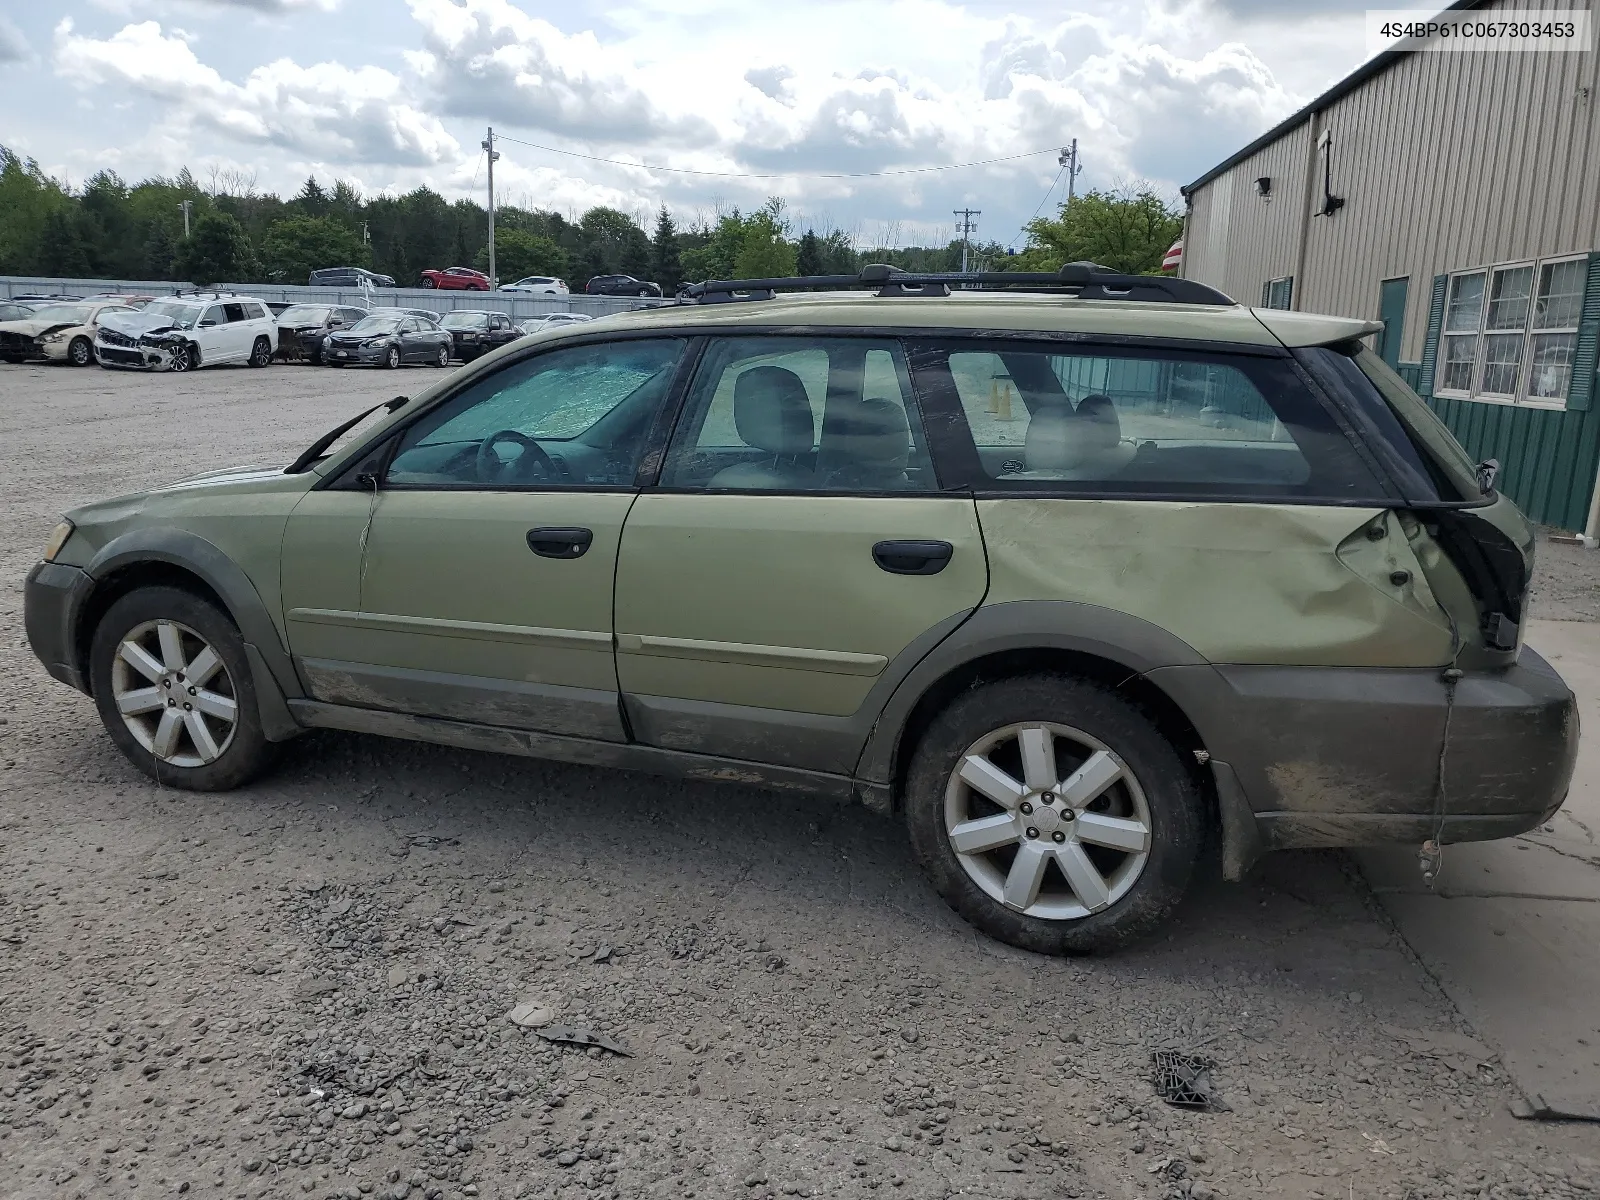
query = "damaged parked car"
x=387 y=341
x=56 y=332
x=302 y=328
x=1089 y=579
x=186 y=332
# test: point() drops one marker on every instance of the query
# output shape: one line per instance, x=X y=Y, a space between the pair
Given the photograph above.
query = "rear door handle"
x=560 y=543
x=912 y=558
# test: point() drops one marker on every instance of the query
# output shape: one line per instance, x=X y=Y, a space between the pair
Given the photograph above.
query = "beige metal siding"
x=1445 y=161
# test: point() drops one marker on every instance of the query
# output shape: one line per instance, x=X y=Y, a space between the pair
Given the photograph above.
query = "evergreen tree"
x=808 y=259
x=158 y=252
x=312 y=200
x=61 y=246
x=217 y=251
x=665 y=266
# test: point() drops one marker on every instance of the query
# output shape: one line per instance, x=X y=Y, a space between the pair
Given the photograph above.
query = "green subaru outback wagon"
x=1085 y=576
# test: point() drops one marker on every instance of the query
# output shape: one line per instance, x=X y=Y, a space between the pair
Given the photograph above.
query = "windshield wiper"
x=314 y=451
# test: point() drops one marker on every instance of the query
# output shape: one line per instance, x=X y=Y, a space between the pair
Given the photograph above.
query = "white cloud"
x=328 y=111
x=489 y=59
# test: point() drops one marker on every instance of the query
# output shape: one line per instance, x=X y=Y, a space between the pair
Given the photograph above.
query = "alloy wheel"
x=80 y=353
x=174 y=693
x=443 y=358
x=181 y=360
x=393 y=358
x=1047 y=820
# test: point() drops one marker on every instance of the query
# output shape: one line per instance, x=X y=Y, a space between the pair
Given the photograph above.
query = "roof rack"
x=201 y=294
x=1085 y=280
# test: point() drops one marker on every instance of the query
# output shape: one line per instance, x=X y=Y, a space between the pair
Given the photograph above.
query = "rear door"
x=796 y=558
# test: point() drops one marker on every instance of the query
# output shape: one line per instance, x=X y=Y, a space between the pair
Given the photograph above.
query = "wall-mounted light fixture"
x=1264 y=187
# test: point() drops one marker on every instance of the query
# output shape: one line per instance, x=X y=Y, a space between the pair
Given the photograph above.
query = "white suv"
x=185 y=332
x=537 y=285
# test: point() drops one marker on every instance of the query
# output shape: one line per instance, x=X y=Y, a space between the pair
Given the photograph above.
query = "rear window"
x=1077 y=420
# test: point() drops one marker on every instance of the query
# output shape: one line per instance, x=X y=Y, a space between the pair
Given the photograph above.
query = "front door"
x=795 y=556
x=473 y=580
x=1392 y=312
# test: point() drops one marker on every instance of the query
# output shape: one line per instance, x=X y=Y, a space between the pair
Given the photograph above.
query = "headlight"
x=58 y=539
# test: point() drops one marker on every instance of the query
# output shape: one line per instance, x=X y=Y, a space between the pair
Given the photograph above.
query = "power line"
x=1048 y=193
x=617 y=162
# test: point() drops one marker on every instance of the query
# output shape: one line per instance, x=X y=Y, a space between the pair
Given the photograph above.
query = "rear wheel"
x=80 y=353
x=174 y=690
x=260 y=353
x=442 y=359
x=1053 y=815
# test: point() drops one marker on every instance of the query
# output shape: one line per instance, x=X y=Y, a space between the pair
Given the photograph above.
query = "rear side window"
x=1127 y=421
x=1424 y=456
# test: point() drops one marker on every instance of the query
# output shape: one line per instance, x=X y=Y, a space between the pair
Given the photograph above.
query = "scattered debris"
x=431 y=840
x=530 y=1014
x=1377 y=1145
x=1184 y=1080
x=568 y=1036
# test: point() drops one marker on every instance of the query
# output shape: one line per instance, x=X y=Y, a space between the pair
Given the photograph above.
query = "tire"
x=15 y=360
x=392 y=359
x=80 y=353
x=442 y=359
x=149 y=617
x=186 y=359
x=260 y=353
x=1089 y=725
x=428 y=283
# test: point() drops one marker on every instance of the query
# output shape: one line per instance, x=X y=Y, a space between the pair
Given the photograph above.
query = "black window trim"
x=936 y=387
x=812 y=332
x=344 y=478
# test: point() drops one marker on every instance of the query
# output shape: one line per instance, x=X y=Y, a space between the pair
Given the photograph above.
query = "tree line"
x=110 y=229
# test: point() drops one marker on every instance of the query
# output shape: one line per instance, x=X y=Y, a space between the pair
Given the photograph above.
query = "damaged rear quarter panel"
x=1258 y=584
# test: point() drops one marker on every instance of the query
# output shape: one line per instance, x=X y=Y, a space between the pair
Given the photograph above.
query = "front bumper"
x=1328 y=756
x=295 y=345
x=18 y=345
x=356 y=354
x=51 y=601
x=141 y=356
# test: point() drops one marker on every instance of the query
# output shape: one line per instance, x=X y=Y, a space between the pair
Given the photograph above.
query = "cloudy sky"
x=395 y=93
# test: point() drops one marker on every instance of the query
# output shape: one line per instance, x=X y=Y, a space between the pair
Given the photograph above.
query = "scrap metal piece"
x=1184 y=1080
x=571 y=1036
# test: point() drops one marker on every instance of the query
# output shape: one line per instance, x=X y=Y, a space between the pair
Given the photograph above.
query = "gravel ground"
x=303 y=988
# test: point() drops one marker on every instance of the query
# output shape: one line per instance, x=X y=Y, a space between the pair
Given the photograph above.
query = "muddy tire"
x=174 y=689
x=1053 y=815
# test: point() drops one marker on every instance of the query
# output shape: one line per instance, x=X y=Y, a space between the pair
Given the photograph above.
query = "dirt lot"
x=302 y=988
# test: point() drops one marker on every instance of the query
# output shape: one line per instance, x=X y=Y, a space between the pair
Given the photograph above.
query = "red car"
x=459 y=278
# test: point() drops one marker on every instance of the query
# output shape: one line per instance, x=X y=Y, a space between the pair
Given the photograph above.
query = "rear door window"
x=1130 y=421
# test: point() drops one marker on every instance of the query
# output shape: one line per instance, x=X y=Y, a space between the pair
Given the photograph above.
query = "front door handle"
x=912 y=558
x=560 y=543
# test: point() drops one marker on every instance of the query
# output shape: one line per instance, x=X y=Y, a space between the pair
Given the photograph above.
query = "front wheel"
x=260 y=353
x=185 y=358
x=80 y=353
x=173 y=686
x=1051 y=813
x=392 y=359
x=428 y=283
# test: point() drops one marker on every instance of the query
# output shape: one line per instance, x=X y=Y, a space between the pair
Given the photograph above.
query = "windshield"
x=304 y=314
x=376 y=325
x=183 y=316
x=67 y=314
x=464 y=320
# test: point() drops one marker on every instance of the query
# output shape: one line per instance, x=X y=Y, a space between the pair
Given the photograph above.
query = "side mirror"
x=207 y=323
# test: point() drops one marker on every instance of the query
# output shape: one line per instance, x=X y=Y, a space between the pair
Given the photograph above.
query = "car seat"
x=772 y=413
x=873 y=440
x=1063 y=443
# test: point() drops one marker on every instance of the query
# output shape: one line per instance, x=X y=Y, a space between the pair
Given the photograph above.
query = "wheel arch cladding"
x=176 y=558
x=1033 y=637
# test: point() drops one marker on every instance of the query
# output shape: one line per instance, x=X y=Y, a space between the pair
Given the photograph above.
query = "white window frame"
x=1528 y=333
x=1266 y=292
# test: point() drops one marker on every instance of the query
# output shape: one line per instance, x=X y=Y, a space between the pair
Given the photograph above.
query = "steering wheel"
x=490 y=468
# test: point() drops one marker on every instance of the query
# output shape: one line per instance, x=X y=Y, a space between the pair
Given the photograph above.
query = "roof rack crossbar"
x=1087 y=281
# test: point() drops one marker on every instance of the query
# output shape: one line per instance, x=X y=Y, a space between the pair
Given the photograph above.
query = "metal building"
x=1456 y=198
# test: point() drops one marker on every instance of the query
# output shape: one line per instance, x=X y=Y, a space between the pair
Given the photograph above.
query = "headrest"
x=772 y=412
x=874 y=433
x=1060 y=439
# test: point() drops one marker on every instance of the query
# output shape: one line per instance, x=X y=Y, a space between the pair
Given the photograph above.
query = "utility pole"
x=186 y=205
x=488 y=145
x=1069 y=158
x=966 y=227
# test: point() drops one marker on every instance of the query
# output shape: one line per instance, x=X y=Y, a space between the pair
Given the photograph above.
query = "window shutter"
x=1587 y=355
x=1430 y=344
